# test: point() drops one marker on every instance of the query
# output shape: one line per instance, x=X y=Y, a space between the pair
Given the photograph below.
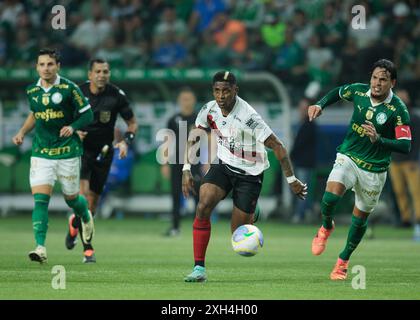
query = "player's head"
x=47 y=64
x=99 y=73
x=225 y=88
x=383 y=78
x=186 y=101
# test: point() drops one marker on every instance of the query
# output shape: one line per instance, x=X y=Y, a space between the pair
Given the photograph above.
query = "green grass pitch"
x=136 y=262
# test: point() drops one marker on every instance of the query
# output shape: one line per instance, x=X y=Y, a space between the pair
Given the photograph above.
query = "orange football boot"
x=319 y=243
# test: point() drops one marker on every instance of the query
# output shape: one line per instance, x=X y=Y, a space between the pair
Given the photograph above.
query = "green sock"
x=357 y=230
x=40 y=218
x=80 y=207
x=328 y=204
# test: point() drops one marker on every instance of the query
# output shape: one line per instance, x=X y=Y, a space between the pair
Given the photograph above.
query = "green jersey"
x=390 y=118
x=53 y=108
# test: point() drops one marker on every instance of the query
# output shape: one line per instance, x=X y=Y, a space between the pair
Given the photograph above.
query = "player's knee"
x=204 y=209
x=330 y=199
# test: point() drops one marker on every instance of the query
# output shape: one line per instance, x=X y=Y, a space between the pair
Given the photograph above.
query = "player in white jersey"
x=242 y=136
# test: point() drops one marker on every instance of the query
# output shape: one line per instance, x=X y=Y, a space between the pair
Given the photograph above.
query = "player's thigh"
x=344 y=172
x=246 y=191
x=217 y=176
x=368 y=189
x=42 y=173
x=68 y=174
x=99 y=175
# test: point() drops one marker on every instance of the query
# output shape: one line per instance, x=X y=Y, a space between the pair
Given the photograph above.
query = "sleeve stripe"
x=404 y=138
x=84 y=109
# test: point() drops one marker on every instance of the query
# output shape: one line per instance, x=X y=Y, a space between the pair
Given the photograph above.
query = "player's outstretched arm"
x=298 y=188
x=28 y=125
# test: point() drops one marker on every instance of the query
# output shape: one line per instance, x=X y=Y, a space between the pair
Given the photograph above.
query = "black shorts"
x=245 y=188
x=96 y=171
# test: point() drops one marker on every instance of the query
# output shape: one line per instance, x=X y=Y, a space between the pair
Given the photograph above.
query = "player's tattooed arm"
x=28 y=125
x=298 y=188
x=281 y=154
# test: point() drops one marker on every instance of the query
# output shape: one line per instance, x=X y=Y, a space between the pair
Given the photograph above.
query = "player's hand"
x=165 y=171
x=187 y=183
x=66 y=131
x=122 y=146
x=82 y=134
x=299 y=188
x=18 y=138
x=314 y=112
x=370 y=131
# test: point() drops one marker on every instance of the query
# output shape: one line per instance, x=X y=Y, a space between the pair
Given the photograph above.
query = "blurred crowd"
x=299 y=41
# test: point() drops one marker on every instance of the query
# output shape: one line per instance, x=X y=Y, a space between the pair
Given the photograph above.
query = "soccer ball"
x=246 y=240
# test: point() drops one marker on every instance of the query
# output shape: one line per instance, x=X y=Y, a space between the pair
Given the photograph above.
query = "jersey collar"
x=387 y=100
x=57 y=81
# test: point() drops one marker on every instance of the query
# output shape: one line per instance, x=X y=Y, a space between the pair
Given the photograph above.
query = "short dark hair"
x=53 y=53
x=96 y=60
x=387 y=65
x=224 y=76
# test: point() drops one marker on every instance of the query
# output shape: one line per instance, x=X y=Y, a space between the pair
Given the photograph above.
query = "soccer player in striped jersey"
x=242 y=136
x=380 y=124
x=57 y=109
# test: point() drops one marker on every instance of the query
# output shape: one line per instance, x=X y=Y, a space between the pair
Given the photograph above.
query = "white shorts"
x=366 y=185
x=47 y=171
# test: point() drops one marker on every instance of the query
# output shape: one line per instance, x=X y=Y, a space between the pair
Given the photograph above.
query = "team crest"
x=57 y=98
x=381 y=118
x=369 y=114
x=46 y=99
x=105 y=116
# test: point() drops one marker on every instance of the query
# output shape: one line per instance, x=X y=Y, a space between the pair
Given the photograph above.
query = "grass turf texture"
x=136 y=262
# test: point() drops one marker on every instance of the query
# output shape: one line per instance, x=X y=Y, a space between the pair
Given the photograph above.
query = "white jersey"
x=240 y=135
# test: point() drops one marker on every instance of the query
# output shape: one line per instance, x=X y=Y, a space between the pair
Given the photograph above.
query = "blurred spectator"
x=92 y=33
x=24 y=48
x=170 y=22
x=303 y=30
x=258 y=56
x=349 y=71
x=169 y=52
x=9 y=11
x=332 y=29
x=111 y=52
x=405 y=173
x=273 y=30
x=209 y=54
x=3 y=46
x=250 y=12
x=203 y=13
x=230 y=36
x=289 y=60
x=320 y=61
x=303 y=155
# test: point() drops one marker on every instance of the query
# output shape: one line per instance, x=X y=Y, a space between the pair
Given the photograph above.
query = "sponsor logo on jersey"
x=49 y=114
x=360 y=108
x=32 y=90
x=56 y=151
x=399 y=121
x=35 y=99
x=57 y=98
x=251 y=123
x=358 y=129
x=104 y=116
x=369 y=114
x=390 y=106
x=381 y=118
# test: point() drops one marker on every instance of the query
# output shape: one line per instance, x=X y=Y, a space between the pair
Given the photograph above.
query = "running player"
x=242 y=136
x=58 y=109
x=379 y=126
x=107 y=101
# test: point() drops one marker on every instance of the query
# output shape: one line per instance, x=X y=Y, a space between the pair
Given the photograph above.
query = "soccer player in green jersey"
x=57 y=109
x=379 y=126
